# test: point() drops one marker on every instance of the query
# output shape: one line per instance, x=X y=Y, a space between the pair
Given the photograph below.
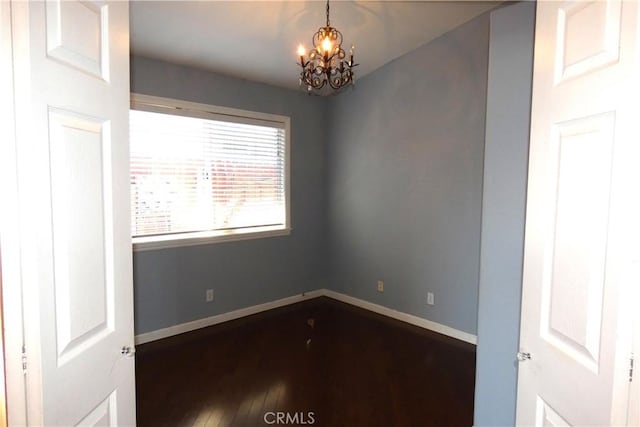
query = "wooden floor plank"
x=348 y=366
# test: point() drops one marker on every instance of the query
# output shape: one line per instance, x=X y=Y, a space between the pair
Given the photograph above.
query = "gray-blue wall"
x=503 y=212
x=387 y=183
x=404 y=175
x=169 y=284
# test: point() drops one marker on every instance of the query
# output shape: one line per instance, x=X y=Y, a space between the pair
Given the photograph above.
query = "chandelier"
x=326 y=64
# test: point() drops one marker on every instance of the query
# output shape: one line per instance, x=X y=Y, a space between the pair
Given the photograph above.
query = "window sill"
x=206 y=237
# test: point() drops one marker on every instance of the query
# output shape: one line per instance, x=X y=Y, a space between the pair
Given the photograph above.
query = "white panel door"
x=72 y=91
x=582 y=215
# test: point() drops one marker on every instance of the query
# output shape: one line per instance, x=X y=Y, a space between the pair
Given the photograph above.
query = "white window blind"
x=196 y=174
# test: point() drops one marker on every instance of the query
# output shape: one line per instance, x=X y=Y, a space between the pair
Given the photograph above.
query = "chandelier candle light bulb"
x=326 y=62
x=326 y=45
x=301 y=52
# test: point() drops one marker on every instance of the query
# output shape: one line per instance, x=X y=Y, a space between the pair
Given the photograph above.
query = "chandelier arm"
x=320 y=85
x=333 y=86
x=338 y=36
x=330 y=58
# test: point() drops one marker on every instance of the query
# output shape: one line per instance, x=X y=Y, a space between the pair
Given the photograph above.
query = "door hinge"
x=631 y=368
x=24 y=360
x=523 y=356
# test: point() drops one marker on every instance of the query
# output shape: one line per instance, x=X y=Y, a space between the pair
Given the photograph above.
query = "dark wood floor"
x=350 y=368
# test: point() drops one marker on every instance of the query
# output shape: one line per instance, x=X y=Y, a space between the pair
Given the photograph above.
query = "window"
x=201 y=173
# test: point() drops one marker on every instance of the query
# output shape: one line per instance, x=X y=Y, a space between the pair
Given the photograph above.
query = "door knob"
x=127 y=351
x=522 y=356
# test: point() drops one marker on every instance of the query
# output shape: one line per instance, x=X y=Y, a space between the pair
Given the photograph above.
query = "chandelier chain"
x=328 y=22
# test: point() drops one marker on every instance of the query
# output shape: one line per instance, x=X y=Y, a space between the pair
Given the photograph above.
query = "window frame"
x=212 y=112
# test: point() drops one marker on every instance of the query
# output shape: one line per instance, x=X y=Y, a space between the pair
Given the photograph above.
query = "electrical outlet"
x=380 y=286
x=209 y=295
x=430 y=299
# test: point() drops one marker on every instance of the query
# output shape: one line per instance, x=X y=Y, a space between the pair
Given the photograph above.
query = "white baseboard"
x=404 y=317
x=224 y=317
x=236 y=314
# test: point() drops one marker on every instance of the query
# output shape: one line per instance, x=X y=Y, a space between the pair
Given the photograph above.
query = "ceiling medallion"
x=326 y=65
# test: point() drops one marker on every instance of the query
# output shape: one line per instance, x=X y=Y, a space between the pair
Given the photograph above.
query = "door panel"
x=81 y=198
x=581 y=215
x=104 y=414
x=572 y=293
x=85 y=44
x=588 y=37
x=546 y=416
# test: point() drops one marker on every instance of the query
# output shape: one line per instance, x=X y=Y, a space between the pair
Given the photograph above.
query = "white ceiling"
x=257 y=40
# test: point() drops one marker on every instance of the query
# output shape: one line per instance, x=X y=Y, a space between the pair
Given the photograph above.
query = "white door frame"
x=10 y=32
